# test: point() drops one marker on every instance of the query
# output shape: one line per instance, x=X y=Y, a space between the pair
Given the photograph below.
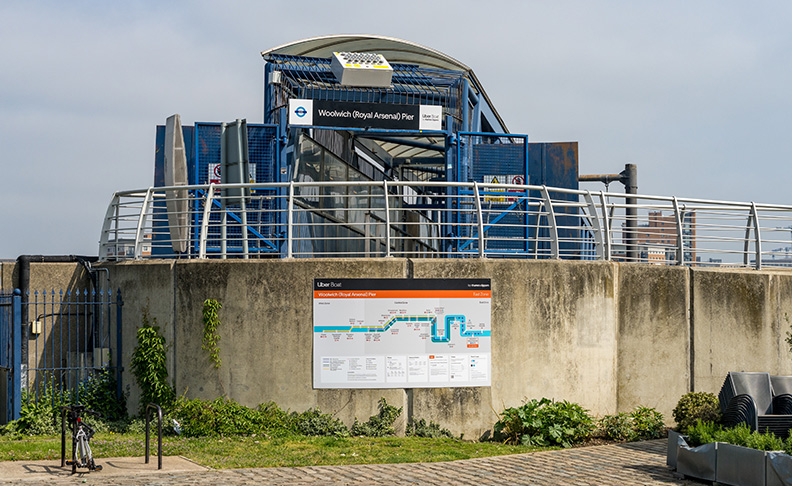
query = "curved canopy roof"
x=395 y=51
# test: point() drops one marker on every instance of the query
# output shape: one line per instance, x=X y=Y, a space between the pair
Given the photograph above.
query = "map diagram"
x=401 y=333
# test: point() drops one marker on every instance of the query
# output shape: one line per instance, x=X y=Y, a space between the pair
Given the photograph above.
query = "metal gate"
x=493 y=159
x=10 y=353
x=51 y=343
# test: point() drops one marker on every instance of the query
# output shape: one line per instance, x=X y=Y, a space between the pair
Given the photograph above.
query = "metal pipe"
x=630 y=180
x=605 y=178
x=23 y=281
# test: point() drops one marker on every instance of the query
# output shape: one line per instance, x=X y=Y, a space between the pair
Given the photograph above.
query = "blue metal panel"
x=555 y=165
x=15 y=382
x=202 y=144
x=486 y=154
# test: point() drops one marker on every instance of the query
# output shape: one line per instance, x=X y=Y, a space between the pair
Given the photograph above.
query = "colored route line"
x=437 y=337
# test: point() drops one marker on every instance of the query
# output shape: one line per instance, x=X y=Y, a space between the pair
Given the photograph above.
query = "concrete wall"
x=606 y=335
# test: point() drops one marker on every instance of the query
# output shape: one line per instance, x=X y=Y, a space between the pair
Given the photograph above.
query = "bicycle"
x=81 y=436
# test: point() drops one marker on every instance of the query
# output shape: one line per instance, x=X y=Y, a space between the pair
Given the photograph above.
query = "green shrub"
x=640 y=424
x=378 y=425
x=39 y=415
x=617 y=427
x=740 y=435
x=696 y=406
x=702 y=432
x=647 y=423
x=148 y=366
x=98 y=393
x=431 y=430
x=544 y=422
x=222 y=417
x=763 y=442
x=312 y=422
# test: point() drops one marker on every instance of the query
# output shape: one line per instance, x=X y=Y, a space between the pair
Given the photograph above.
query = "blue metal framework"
x=311 y=78
x=202 y=142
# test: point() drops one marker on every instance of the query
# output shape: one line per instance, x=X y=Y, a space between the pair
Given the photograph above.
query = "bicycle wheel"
x=84 y=452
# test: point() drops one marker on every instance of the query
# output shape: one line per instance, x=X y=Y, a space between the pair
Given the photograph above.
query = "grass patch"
x=253 y=451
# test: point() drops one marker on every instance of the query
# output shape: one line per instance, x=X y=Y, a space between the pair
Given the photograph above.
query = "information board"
x=401 y=333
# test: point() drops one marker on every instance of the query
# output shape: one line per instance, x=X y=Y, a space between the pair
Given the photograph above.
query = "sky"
x=697 y=94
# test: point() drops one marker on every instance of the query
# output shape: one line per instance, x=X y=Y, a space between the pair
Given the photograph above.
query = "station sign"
x=384 y=116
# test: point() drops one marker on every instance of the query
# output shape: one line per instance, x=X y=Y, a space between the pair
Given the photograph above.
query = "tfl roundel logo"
x=300 y=112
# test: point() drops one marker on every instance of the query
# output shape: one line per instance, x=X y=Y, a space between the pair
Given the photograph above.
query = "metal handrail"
x=441 y=219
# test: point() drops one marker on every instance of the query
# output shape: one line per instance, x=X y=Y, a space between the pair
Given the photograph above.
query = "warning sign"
x=214 y=174
x=497 y=195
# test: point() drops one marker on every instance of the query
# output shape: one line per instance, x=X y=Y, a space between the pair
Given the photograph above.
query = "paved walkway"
x=640 y=463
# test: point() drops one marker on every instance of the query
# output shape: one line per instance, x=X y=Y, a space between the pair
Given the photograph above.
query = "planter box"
x=778 y=469
x=729 y=464
x=675 y=439
x=740 y=466
x=698 y=462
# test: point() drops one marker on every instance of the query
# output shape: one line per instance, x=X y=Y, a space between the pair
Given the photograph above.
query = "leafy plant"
x=98 y=393
x=741 y=435
x=647 y=423
x=702 y=432
x=617 y=427
x=378 y=425
x=220 y=417
x=149 y=367
x=432 y=430
x=211 y=336
x=696 y=406
x=39 y=414
x=225 y=417
x=545 y=422
x=313 y=422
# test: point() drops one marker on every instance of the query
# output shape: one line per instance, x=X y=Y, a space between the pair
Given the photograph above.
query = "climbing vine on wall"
x=211 y=336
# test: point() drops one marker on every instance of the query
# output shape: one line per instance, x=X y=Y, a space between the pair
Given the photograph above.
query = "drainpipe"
x=629 y=178
x=23 y=281
x=630 y=181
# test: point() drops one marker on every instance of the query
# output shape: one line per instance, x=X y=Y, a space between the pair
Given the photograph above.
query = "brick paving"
x=641 y=463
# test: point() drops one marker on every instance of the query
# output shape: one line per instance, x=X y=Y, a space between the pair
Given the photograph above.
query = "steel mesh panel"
x=499 y=156
x=495 y=159
x=261 y=219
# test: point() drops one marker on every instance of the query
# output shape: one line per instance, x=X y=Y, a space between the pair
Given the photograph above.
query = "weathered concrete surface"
x=45 y=276
x=147 y=289
x=654 y=338
x=609 y=336
x=7 y=268
x=266 y=344
x=553 y=335
x=739 y=322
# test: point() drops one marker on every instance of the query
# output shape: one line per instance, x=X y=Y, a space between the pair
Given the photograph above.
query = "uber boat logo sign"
x=300 y=112
x=365 y=115
x=431 y=118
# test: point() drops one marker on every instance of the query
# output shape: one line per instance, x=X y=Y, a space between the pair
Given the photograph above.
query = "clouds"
x=695 y=93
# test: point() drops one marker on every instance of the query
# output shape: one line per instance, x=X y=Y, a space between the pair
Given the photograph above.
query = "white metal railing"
x=437 y=220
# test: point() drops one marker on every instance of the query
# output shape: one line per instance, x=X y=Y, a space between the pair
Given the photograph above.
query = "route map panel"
x=401 y=333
